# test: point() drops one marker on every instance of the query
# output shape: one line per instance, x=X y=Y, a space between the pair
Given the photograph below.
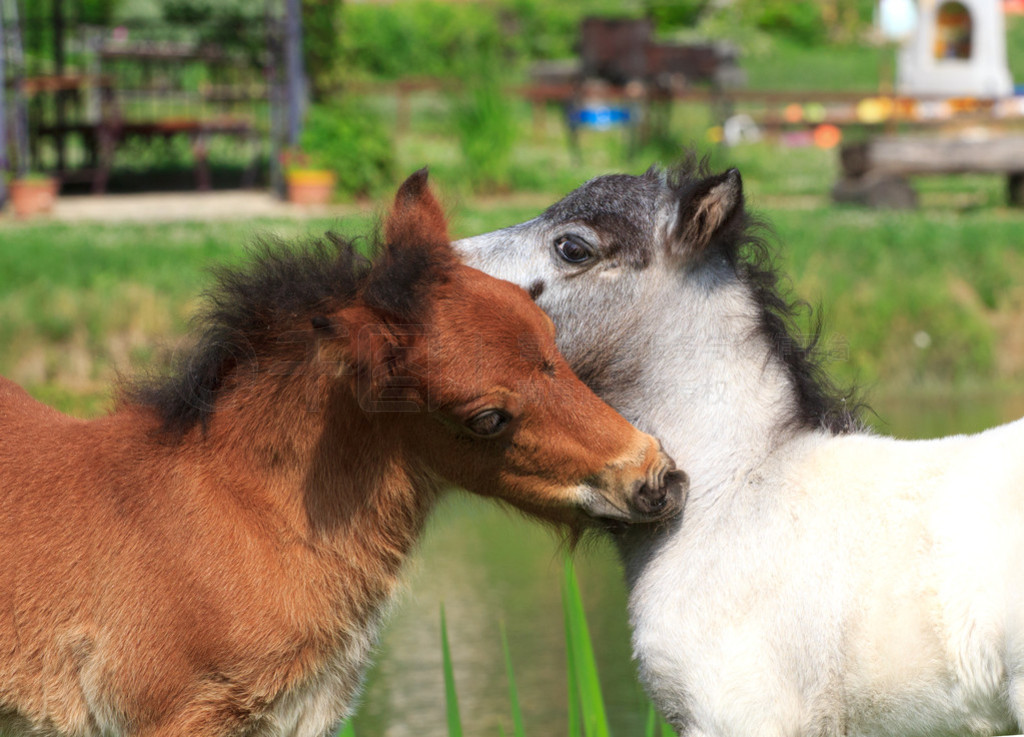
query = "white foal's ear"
x=706 y=211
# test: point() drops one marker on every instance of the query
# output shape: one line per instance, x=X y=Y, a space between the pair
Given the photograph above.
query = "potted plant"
x=307 y=184
x=32 y=194
x=345 y=146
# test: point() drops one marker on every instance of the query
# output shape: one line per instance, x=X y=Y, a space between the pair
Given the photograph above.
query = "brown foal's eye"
x=572 y=250
x=489 y=423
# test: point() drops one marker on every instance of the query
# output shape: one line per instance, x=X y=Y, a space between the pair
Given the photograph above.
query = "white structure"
x=958 y=49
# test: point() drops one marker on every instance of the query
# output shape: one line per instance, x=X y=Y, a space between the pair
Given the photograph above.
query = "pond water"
x=491 y=568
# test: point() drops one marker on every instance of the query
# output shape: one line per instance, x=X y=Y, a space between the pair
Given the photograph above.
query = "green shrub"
x=670 y=14
x=801 y=20
x=418 y=38
x=431 y=38
x=354 y=142
x=485 y=122
x=322 y=49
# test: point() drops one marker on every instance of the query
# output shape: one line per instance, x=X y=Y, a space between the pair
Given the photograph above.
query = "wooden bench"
x=875 y=172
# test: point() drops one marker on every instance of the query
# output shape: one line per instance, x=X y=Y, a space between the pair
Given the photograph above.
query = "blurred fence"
x=178 y=89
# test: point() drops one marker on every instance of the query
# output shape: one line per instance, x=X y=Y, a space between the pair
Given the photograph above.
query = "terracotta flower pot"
x=32 y=196
x=310 y=186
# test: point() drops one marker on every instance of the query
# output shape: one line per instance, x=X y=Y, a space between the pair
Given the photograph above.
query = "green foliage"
x=451 y=698
x=587 y=717
x=582 y=666
x=351 y=139
x=98 y=12
x=437 y=39
x=233 y=26
x=321 y=44
x=800 y=20
x=545 y=30
x=1015 y=47
x=419 y=38
x=484 y=119
x=781 y=42
x=513 y=693
x=656 y=725
x=671 y=14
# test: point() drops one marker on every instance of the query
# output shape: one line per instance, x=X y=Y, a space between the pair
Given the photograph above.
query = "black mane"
x=249 y=311
x=745 y=243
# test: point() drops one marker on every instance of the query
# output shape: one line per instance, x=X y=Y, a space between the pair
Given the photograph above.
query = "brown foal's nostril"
x=679 y=479
x=652 y=500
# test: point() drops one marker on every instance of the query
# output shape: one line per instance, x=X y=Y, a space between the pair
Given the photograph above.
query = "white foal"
x=822 y=580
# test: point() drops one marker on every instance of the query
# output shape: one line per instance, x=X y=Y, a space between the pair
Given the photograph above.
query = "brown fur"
x=227 y=577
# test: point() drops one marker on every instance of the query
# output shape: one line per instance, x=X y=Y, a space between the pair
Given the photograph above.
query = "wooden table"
x=875 y=172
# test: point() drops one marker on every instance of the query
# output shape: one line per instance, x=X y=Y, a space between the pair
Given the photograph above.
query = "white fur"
x=319 y=706
x=816 y=584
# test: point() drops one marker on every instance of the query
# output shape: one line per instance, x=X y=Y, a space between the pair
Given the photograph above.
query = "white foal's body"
x=850 y=585
x=822 y=581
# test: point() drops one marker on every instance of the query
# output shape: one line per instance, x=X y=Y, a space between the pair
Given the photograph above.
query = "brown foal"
x=215 y=557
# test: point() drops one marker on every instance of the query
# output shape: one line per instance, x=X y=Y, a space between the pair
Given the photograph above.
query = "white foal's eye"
x=488 y=424
x=572 y=249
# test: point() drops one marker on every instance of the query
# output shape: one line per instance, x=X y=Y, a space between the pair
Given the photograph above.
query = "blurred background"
x=142 y=141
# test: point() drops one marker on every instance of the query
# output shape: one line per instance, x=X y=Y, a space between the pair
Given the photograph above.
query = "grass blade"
x=582 y=664
x=518 y=730
x=575 y=725
x=656 y=724
x=349 y=730
x=451 y=698
x=652 y=721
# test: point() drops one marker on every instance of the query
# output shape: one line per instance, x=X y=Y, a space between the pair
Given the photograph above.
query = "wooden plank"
x=1015 y=189
x=933 y=155
x=3 y=113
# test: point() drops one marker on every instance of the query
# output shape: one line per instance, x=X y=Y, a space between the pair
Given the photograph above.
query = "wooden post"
x=272 y=74
x=3 y=113
x=16 y=61
x=295 y=73
x=1016 y=188
x=60 y=97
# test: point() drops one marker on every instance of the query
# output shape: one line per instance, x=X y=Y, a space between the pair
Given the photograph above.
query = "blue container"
x=601 y=117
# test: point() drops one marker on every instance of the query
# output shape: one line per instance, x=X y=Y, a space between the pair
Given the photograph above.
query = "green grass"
x=451 y=698
x=518 y=728
x=584 y=683
x=586 y=705
x=1015 y=47
x=885 y=278
x=783 y=64
x=78 y=304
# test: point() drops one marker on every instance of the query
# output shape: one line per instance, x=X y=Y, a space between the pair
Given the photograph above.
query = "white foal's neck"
x=715 y=394
x=717 y=397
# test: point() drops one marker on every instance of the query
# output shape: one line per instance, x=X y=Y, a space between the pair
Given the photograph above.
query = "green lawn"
x=80 y=303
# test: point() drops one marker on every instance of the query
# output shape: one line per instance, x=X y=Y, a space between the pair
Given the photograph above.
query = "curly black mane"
x=747 y=243
x=250 y=311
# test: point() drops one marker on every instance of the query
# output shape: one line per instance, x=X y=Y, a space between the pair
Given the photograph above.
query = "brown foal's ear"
x=706 y=211
x=417 y=253
x=416 y=217
x=384 y=378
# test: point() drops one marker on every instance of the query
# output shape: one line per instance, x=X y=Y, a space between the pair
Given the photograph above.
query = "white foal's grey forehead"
x=625 y=219
x=624 y=212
